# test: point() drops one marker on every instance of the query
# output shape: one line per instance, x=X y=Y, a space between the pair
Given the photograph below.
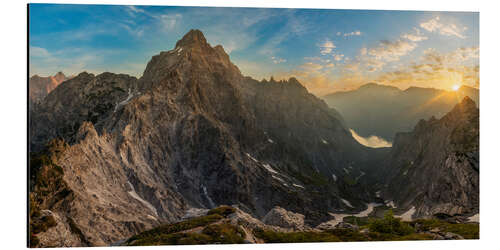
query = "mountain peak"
x=193 y=37
x=370 y=84
x=462 y=110
x=467 y=103
x=373 y=85
x=191 y=52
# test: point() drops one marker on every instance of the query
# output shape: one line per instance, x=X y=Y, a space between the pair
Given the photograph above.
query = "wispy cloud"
x=447 y=29
x=416 y=36
x=310 y=66
x=277 y=60
x=294 y=26
x=38 y=52
x=460 y=66
x=133 y=10
x=338 y=57
x=134 y=31
x=376 y=58
x=168 y=21
x=327 y=47
x=391 y=51
x=353 y=33
x=453 y=58
x=384 y=63
x=265 y=42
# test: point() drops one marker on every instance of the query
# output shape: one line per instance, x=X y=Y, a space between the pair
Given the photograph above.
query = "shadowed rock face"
x=194 y=133
x=83 y=98
x=436 y=166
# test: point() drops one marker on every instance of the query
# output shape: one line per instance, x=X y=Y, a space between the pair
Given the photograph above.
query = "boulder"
x=282 y=218
x=437 y=236
x=345 y=225
x=452 y=236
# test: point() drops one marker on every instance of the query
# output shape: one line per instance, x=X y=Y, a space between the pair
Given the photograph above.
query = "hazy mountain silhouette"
x=383 y=110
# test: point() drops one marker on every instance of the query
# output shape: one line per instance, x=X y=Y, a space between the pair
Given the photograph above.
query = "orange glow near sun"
x=455 y=87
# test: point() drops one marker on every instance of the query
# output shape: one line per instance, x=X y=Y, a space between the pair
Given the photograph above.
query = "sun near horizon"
x=456 y=87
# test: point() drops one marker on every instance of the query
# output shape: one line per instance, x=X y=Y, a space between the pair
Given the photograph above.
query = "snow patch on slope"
x=474 y=218
x=210 y=201
x=407 y=215
x=253 y=159
x=340 y=217
x=368 y=210
x=144 y=202
x=346 y=202
x=279 y=179
x=390 y=204
x=127 y=100
x=269 y=168
x=361 y=175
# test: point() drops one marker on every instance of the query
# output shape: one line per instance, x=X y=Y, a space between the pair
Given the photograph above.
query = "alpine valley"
x=193 y=152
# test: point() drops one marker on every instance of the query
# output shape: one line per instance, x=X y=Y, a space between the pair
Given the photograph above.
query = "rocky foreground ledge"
x=231 y=225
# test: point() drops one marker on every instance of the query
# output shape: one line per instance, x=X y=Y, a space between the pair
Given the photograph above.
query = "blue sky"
x=327 y=50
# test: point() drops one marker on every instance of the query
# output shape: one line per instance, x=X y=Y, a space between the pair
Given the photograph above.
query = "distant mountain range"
x=112 y=156
x=383 y=110
x=39 y=87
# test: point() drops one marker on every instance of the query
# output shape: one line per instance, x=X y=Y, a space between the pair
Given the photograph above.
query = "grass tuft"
x=222 y=211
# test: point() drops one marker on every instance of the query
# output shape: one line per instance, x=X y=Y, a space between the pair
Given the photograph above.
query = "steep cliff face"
x=435 y=168
x=193 y=133
x=83 y=98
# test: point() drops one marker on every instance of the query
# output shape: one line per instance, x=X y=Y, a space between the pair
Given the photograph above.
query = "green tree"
x=390 y=225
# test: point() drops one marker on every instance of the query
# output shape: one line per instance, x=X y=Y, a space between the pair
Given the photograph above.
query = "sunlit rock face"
x=39 y=87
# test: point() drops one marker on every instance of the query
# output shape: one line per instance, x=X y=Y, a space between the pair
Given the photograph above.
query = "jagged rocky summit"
x=435 y=168
x=39 y=87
